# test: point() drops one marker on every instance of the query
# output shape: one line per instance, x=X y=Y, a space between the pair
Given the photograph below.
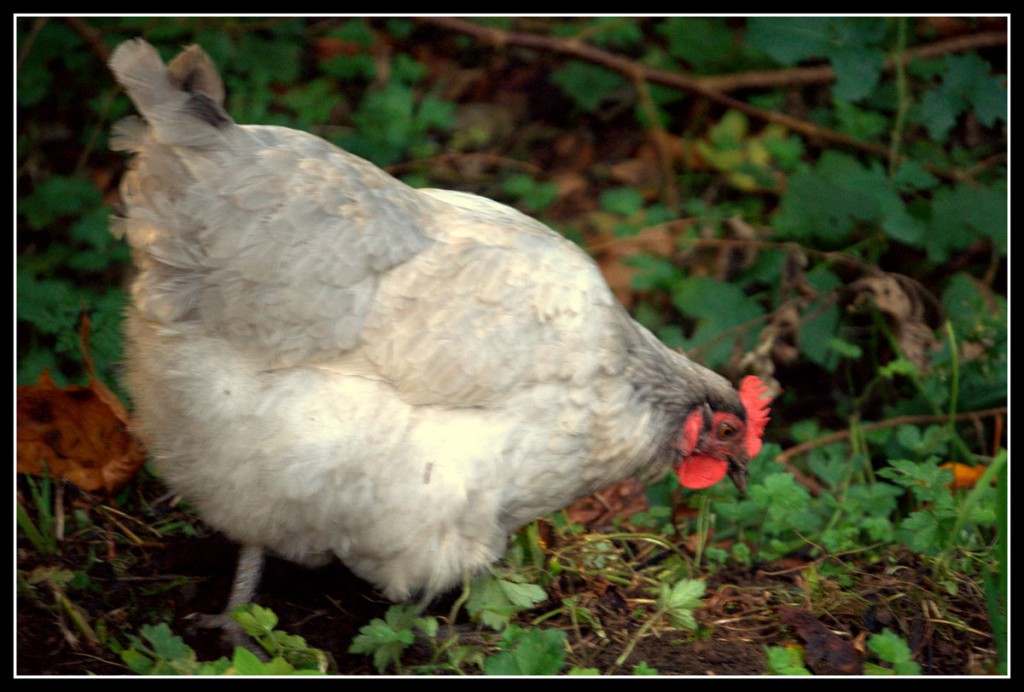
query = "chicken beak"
x=738 y=474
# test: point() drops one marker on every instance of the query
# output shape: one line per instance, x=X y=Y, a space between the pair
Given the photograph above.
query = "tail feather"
x=182 y=102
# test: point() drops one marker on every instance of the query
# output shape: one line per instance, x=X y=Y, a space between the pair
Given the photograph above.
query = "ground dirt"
x=171 y=579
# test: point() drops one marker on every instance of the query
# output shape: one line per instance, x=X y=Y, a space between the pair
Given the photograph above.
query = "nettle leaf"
x=531 y=652
x=823 y=203
x=966 y=83
x=718 y=308
x=858 y=70
x=860 y=123
x=961 y=216
x=313 y=102
x=788 y=40
x=877 y=499
x=971 y=307
x=786 y=502
x=265 y=61
x=785 y=661
x=819 y=330
x=891 y=648
x=625 y=201
x=937 y=111
x=829 y=201
x=704 y=43
x=386 y=639
x=56 y=196
x=166 y=644
x=51 y=305
x=255 y=619
x=588 y=85
x=680 y=600
x=829 y=463
x=533 y=194
x=614 y=31
x=495 y=601
x=911 y=177
x=968 y=77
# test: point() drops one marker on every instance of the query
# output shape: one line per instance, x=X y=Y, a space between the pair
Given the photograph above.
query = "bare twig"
x=824 y=74
x=922 y=419
x=707 y=87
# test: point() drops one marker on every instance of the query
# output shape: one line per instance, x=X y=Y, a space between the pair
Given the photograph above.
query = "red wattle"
x=701 y=472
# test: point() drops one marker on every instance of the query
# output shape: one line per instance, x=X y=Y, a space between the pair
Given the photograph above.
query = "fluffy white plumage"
x=325 y=361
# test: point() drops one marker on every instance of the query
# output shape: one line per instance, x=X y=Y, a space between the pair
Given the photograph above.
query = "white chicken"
x=327 y=362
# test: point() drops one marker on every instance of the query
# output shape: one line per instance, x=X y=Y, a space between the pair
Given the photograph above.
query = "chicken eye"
x=726 y=430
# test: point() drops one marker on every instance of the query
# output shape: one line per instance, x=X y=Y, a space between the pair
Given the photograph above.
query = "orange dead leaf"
x=964 y=476
x=76 y=434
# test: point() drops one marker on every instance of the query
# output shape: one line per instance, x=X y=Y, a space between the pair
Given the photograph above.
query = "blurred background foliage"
x=609 y=160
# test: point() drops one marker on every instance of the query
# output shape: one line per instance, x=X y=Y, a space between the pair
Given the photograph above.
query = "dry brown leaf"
x=899 y=299
x=76 y=434
x=826 y=653
x=619 y=501
x=656 y=240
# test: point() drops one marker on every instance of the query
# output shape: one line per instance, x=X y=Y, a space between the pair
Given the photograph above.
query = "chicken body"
x=325 y=361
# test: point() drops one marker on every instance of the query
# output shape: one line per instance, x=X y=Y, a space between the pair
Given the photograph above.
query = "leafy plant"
x=787 y=660
x=675 y=601
x=528 y=652
x=495 y=600
x=158 y=651
x=891 y=649
x=386 y=640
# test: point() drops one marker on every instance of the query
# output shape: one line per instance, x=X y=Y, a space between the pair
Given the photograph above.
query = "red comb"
x=752 y=391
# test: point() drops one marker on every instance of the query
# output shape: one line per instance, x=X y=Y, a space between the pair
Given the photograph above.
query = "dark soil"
x=171 y=579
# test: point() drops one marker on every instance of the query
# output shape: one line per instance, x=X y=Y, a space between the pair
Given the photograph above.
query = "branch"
x=823 y=74
x=708 y=87
x=804 y=447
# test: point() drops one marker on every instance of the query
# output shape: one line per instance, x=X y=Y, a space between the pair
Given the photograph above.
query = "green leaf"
x=860 y=123
x=718 y=308
x=534 y=652
x=245 y=662
x=828 y=202
x=924 y=532
x=679 y=601
x=788 y=40
x=495 y=600
x=526 y=595
x=267 y=61
x=785 y=661
x=963 y=215
x=642 y=668
x=858 y=70
x=256 y=620
x=704 y=43
x=55 y=196
x=911 y=177
x=825 y=202
x=586 y=84
x=891 y=648
x=625 y=201
x=968 y=78
x=819 y=330
x=166 y=644
x=532 y=194
x=386 y=639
